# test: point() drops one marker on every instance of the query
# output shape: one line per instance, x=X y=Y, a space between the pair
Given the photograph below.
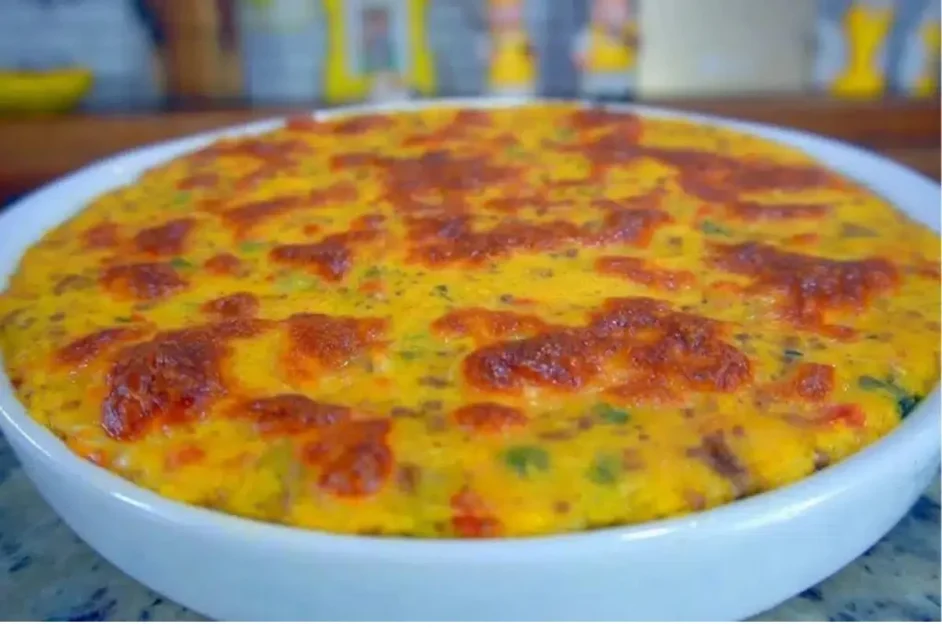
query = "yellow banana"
x=54 y=91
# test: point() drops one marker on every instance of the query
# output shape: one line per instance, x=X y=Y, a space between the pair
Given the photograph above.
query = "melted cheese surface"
x=476 y=323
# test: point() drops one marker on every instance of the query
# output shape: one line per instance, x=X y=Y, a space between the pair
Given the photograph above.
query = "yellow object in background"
x=351 y=71
x=511 y=66
x=43 y=92
x=865 y=31
x=605 y=50
x=928 y=82
x=511 y=62
x=609 y=54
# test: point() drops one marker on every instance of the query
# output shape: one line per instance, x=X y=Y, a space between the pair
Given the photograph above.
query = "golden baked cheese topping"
x=476 y=323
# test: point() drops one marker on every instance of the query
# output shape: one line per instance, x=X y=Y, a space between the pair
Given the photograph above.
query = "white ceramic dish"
x=727 y=563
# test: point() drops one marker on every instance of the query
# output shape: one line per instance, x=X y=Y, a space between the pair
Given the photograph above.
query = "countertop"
x=47 y=573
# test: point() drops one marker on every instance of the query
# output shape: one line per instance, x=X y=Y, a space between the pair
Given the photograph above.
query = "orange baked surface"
x=476 y=323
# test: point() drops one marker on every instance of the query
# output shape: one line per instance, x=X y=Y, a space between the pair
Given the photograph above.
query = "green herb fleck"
x=180 y=264
x=593 y=225
x=293 y=282
x=279 y=458
x=182 y=198
x=610 y=414
x=792 y=354
x=905 y=401
x=372 y=272
x=871 y=383
x=515 y=150
x=251 y=247
x=442 y=291
x=605 y=469
x=906 y=404
x=526 y=460
x=123 y=319
x=408 y=355
x=851 y=230
x=565 y=133
x=711 y=228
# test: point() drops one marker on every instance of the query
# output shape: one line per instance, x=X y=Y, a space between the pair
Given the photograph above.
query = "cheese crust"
x=476 y=323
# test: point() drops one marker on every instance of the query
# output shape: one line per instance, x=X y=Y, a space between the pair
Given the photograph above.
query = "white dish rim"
x=781 y=503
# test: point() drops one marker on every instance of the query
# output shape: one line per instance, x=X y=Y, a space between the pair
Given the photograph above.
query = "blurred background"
x=127 y=55
x=94 y=76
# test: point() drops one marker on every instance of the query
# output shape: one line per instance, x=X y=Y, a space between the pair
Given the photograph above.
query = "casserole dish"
x=699 y=566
